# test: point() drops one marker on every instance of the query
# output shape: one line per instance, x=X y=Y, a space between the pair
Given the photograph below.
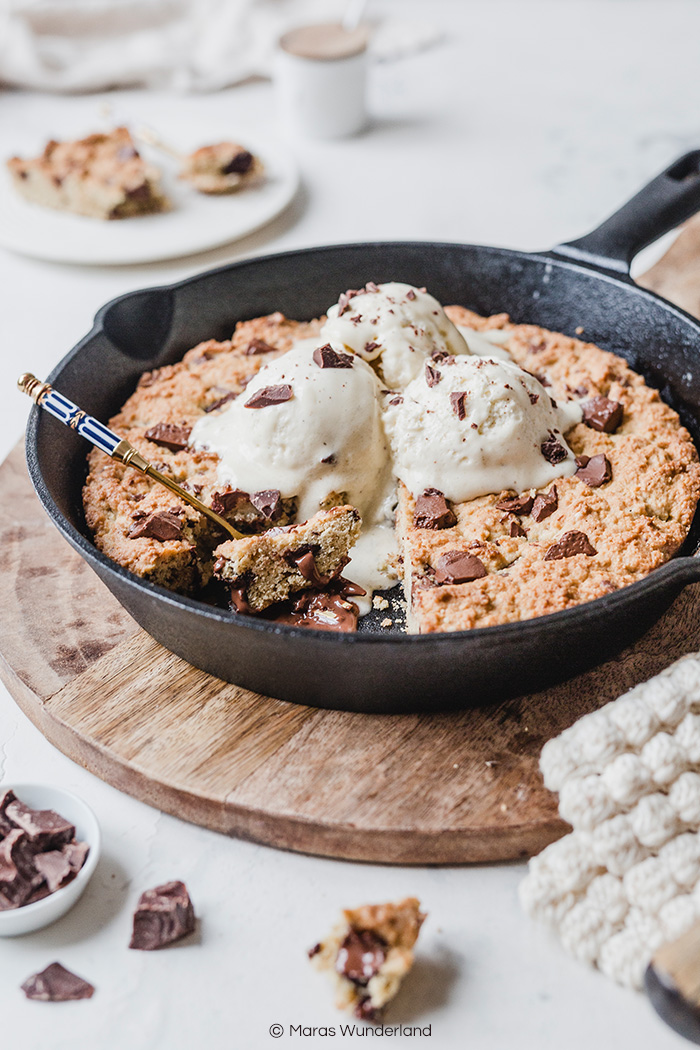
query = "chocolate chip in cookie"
x=433 y=511
x=571 y=543
x=545 y=504
x=594 y=471
x=458 y=567
x=169 y=435
x=600 y=413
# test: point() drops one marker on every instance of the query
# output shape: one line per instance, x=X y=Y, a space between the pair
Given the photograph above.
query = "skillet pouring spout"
x=377 y=671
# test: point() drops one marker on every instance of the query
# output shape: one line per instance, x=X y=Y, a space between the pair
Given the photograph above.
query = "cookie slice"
x=103 y=176
x=270 y=567
x=369 y=952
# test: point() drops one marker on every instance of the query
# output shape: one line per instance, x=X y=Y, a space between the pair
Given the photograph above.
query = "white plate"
x=195 y=223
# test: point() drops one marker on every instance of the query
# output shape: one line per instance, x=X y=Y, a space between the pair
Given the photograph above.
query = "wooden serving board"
x=408 y=789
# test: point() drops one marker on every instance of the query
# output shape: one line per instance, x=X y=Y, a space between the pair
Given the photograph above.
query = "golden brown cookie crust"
x=635 y=522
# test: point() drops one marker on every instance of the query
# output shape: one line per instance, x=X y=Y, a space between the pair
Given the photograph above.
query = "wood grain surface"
x=405 y=789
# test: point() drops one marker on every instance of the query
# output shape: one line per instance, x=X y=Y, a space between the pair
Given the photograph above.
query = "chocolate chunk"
x=6 y=797
x=163 y=525
x=552 y=450
x=361 y=955
x=127 y=153
x=259 y=346
x=545 y=504
x=365 y=1010
x=55 y=868
x=56 y=984
x=371 y=287
x=344 y=300
x=539 y=376
x=410 y=294
x=516 y=529
x=315 y=950
x=306 y=564
x=571 y=543
x=268 y=502
x=231 y=396
x=163 y=915
x=602 y=414
x=432 y=376
x=224 y=503
x=594 y=471
x=44 y=827
x=322 y=611
x=327 y=357
x=239 y=164
x=580 y=391
x=516 y=504
x=270 y=395
x=534 y=398
x=329 y=459
x=169 y=435
x=369 y=347
x=76 y=852
x=432 y=511
x=458 y=567
x=458 y=401
x=18 y=875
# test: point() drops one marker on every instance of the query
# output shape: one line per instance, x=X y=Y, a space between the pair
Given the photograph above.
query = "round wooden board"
x=409 y=789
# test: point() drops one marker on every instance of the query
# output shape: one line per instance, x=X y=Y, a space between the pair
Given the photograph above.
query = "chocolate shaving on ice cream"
x=552 y=450
x=458 y=400
x=56 y=984
x=163 y=915
x=327 y=357
x=270 y=395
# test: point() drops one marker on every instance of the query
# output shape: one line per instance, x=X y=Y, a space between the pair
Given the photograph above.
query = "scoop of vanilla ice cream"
x=396 y=323
x=472 y=425
x=328 y=437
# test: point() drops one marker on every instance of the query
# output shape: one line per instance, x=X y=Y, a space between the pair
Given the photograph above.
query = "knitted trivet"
x=627 y=878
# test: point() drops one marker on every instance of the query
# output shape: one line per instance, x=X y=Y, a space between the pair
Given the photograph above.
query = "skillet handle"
x=665 y=202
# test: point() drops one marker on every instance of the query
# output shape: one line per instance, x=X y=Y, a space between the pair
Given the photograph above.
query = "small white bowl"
x=41 y=913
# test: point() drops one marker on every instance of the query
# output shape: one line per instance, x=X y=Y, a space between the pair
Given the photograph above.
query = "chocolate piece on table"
x=163 y=915
x=568 y=545
x=600 y=413
x=432 y=376
x=327 y=357
x=516 y=529
x=360 y=955
x=47 y=829
x=594 y=471
x=270 y=395
x=552 y=450
x=163 y=525
x=56 y=984
x=545 y=504
x=516 y=504
x=432 y=511
x=259 y=346
x=458 y=400
x=458 y=567
x=268 y=502
x=169 y=435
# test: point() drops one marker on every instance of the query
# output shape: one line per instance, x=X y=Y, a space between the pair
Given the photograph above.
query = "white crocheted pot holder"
x=627 y=878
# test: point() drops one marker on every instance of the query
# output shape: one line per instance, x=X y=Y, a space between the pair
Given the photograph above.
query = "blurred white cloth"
x=189 y=45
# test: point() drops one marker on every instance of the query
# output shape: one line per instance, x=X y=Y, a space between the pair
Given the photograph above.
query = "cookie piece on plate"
x=270 y=567
x=369 y=952
x=224 y=167
x=102 y=176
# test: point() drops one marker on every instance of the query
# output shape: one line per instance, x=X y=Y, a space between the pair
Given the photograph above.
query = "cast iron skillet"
x=584 y=283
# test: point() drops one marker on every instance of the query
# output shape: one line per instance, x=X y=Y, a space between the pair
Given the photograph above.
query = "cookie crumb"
x=379 y=603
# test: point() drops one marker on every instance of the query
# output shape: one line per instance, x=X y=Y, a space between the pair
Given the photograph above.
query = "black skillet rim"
x=682 y=569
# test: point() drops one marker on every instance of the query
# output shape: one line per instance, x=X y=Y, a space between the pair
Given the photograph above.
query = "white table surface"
x=526 y=127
